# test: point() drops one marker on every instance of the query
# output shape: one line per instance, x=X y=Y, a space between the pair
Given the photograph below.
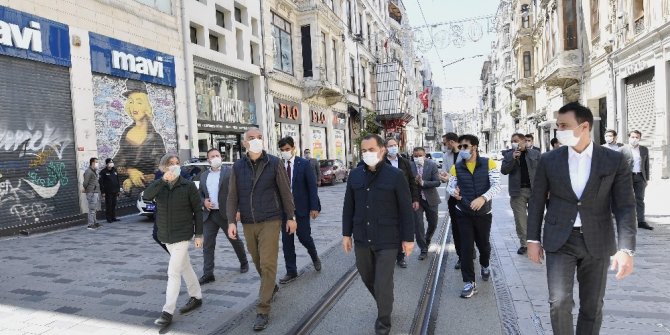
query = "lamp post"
x=358 y=38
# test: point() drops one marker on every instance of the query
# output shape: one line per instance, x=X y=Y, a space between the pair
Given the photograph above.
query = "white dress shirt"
x=292 y=160
x=637 y=160
x=580 y=169
x=213 y=187
x=394 y=160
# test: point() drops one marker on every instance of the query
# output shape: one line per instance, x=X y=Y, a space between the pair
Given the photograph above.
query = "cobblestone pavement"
x=639 y=304
x=112 y=281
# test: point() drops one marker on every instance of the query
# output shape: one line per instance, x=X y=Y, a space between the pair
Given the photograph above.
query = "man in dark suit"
x=583 y=179
x=214 y=193
x=306 y=200
x=520 y=164
x=637 y=157
x=530 y=143
x=394 y=159
x=378 y=213
x=428 y=180
x=314 y=164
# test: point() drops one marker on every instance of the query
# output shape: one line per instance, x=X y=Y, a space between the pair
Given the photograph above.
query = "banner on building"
x=319 y=143
x=339 y=145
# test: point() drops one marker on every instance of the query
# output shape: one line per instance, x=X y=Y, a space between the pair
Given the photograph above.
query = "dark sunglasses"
x=463 y=146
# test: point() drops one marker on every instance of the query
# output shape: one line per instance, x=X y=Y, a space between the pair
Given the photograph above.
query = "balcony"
x=322 y=89
x=523 y=37
x=523 y=88
x=323 y=11
x=563 y=71
x=396 y=9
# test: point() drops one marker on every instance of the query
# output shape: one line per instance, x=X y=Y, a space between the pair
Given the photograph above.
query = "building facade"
x=112 y=89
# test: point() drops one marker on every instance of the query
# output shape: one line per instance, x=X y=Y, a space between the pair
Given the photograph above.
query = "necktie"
x=288 y=171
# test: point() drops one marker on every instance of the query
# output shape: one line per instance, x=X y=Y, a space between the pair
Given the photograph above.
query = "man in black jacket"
x=378 y=213
x=110 y=187
x=396 y=160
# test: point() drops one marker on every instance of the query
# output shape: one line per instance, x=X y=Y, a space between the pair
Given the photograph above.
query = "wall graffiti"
x=135 y=125
x=33 y=211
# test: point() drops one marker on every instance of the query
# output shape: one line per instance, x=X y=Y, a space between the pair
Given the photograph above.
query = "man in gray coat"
x=637 y=157
x=91 y=187
x=428 y=180
x=214 y=194
x=314 y=165
x=582 y=179
x=520 y=164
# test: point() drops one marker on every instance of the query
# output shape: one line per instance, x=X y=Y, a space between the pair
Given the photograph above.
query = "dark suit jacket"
x=378 y=208
x=224 y=177
x=609 y=184
x=431 y=181
x=512 y=167
x=316 y=168
x=406 y=167
x=305 y=194
x=626 y=150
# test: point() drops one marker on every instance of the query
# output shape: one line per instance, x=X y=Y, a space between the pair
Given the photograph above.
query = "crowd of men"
x=571 y=191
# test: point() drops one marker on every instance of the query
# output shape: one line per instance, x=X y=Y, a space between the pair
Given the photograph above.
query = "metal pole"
x=357 y=39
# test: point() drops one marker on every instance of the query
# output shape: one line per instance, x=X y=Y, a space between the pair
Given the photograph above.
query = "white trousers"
x=180 y=265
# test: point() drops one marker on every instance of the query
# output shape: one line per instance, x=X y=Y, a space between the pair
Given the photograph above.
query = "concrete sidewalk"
x=656 y=205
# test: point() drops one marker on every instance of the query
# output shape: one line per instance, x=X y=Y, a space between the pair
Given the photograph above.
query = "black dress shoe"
x=164 y=320
x=192 y=304
x=206 y=279
x=522 y=250
x=116 y=220
x=423 y=256
x=289 y=277
x=261 y=322
x=244 y=268
x=402 y=263
x=458 y=265
x=645 y=225
x=317 y=264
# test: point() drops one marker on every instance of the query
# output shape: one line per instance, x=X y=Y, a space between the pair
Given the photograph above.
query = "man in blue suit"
x=306 y=199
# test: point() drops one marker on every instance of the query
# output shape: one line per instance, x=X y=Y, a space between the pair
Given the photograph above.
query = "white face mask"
x=633 y=141
x=286 y=155
x=609 y=139
x=370 y=158
x=256 y=145
x=515 y=146
x=567 y=137
x=529 y=145
x=175 y=169
x=216 y=162
x=110 y=165
x=420 y=160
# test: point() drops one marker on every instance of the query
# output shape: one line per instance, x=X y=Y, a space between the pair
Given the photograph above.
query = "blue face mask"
x=465 y=154
x=393 y=151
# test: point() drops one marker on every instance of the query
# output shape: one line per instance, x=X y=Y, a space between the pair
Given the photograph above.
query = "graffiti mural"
x=135 y=126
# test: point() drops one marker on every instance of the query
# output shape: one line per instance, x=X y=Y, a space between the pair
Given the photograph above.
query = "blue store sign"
x=31 y=37
x=121 y=59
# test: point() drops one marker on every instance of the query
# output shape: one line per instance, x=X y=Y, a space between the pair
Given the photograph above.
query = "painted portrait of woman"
x=141 y=146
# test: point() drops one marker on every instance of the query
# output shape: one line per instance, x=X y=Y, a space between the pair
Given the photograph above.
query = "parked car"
x=437 y=157
x=190 y=171
x=332 y=171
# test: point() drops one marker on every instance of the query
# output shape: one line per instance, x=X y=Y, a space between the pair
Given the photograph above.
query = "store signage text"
x=118 y=58
x=288 y=112
x=141 y=65
x=21 y=35
x=318 y=117
x=227 y=110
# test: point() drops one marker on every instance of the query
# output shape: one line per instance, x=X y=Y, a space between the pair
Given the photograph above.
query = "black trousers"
x=210 y=231
x=423 y=236
x=474 y=230
x=592 y=278
x=639 y=186
x=110 y=206
x=304 y=233
x=376 y=270
x=455 y=233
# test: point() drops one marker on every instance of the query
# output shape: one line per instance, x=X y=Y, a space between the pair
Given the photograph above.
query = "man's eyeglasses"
x=463 y=146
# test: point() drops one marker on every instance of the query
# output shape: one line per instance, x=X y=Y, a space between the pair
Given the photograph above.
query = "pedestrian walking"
x=637 y=157
x=314 y=165
x=110 y=188
x=427 y=180
x=260 y=191
x=214 y=194
x=611 y=140
x=397 y=161
x=377 y=212
x=578 y=232
x=451 y=157
x=555 y=144
x=474 y=182
x=179 y=217
x=520 y=164
x=91 y=187
x=307 y=206
x=530 y=143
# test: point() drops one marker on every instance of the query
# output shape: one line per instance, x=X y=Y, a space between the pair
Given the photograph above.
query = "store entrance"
x=229 y=144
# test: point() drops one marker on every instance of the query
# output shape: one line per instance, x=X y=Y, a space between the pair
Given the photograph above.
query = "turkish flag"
x=424 y=98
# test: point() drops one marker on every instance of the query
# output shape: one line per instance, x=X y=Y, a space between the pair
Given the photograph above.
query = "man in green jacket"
x=178 y=216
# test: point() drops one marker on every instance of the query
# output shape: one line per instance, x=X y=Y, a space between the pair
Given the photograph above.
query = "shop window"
x=283 y=55
x=595 y=19
x=569 y=25
x=213 y=42
x=352 y=75
x=306 y=41
x=527 y=70
x=334 y=51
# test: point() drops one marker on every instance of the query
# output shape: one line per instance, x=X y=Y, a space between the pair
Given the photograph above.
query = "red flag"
x=424 y=98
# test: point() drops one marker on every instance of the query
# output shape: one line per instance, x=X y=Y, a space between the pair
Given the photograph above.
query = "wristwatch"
x=629 y=252
x=293 y=219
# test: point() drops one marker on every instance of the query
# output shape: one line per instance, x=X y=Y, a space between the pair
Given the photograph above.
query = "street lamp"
x=358 y=38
